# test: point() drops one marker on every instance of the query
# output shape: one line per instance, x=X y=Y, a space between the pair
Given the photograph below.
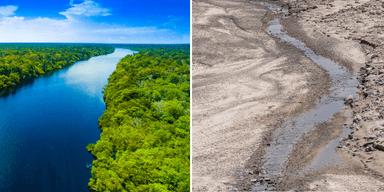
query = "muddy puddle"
x=287 y=136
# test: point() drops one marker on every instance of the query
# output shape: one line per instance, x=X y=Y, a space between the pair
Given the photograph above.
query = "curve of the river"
x=46 y=125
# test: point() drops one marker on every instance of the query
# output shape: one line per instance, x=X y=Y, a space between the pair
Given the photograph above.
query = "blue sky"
x=95 y=21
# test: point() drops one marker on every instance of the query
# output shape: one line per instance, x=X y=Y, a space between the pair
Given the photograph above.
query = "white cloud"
x=129 y=30
x=19 y=29
x=15 y=28
x=87 y=8
x=8 y=10
x=172 y=20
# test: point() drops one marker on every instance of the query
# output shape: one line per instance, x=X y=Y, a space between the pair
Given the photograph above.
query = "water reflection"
x=46 y=125
x=89 y=75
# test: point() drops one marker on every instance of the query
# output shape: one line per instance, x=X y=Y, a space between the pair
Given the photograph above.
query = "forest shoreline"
x=29 y=80
x=17 y=71
x=145 y=137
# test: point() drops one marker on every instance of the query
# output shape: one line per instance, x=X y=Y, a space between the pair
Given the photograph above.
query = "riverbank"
x=46 y=125
x=21 y=63
x=349 y=32
x=145 y=128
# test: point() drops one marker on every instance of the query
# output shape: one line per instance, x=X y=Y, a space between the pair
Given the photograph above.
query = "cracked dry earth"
x=248 y=84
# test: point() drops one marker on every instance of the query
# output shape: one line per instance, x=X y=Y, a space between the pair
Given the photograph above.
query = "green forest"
x=144 y=144
x=20 y=61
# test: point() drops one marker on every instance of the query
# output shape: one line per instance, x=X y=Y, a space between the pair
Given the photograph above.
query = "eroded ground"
x=243 y=82
x=247 y=84
x=343 y=26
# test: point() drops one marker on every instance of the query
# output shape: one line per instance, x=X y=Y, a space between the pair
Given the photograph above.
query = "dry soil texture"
x=247 y=84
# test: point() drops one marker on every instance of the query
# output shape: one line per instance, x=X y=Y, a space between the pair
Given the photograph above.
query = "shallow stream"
x=287 y=136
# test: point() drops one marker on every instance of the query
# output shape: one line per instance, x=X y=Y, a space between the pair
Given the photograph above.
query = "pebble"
x=379 y=147
x=348 y=100
x=371 y=136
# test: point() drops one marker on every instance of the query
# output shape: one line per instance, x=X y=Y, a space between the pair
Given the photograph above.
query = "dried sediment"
x=231 y=54
x=243 y=81
x=346 y=26
x=361 y=21
x=366 y=141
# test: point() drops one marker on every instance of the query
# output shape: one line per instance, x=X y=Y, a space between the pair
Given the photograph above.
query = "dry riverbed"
x=342 y=26
x=249 y=84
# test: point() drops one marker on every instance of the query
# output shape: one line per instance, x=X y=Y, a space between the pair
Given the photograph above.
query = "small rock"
x=371 y=136
x=357 y=118
x=369 y=148
x=372 y=12
x=233 y=189
x=368 y=143
x=379 y=147
x=253 y=180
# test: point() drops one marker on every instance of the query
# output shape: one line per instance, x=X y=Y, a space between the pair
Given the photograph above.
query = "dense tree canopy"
x=21 y=61
x=144 y=144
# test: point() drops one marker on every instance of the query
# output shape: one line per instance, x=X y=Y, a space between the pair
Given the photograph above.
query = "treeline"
x=20 y=61
x=144 y=144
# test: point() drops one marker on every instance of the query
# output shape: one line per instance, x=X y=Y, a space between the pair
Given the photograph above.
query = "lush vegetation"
x=22 y=61
x=144 y=144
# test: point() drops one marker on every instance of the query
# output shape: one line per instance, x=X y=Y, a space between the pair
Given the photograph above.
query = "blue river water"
x=46 y=125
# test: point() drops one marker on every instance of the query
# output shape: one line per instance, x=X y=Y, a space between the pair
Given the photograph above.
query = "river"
x=46 y=125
